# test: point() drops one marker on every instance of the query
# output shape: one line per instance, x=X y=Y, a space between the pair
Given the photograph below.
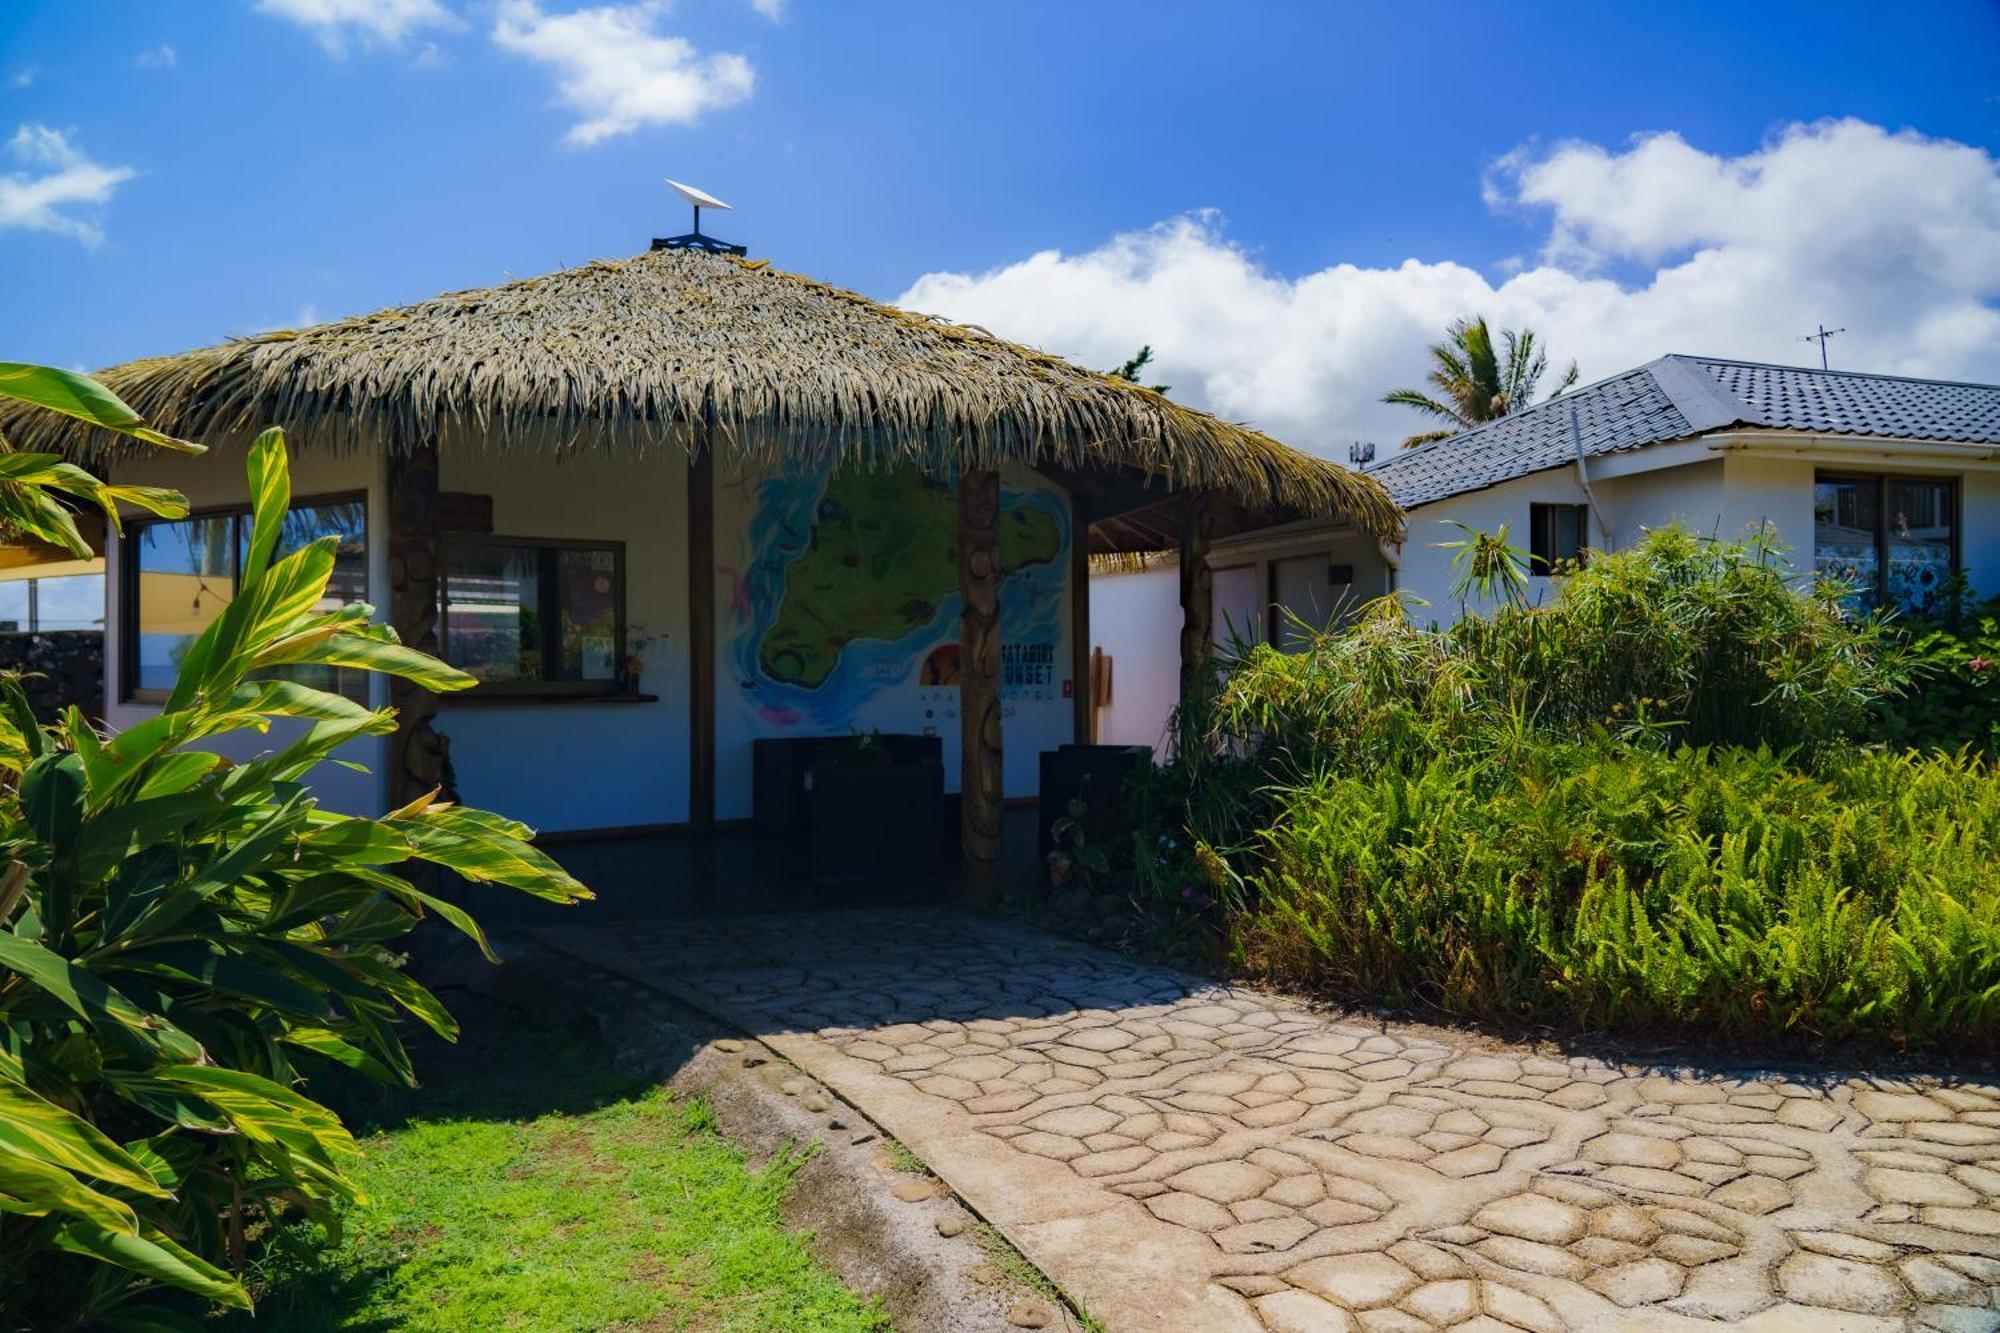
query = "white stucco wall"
x=1690 y=496
x=1426 y=576
x=216 y=478
x=1136 y=619
x=1979 y=542
x=577 y=764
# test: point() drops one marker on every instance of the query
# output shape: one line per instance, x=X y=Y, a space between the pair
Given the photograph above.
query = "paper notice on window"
x=597 y=663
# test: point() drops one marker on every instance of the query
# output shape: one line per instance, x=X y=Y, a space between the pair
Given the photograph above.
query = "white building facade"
x=1890 y=484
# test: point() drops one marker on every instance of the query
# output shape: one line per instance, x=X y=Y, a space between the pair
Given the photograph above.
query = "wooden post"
x=980 y=755
x=701 y=633
x=417 y=763
x=1197 y=593
x=1079 y=648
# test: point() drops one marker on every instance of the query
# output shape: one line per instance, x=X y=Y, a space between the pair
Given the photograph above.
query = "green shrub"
x=1597 y=884
x=182 y=938
x=1638 y=806
x=1679 y=638
x=1954 y=698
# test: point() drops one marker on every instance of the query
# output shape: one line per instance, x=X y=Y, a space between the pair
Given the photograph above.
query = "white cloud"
x=620 y=73
x=58 y=188
x=162 y=56
x=380 y=22
x=770 y=9
x=24 y=77
x=1895 y=236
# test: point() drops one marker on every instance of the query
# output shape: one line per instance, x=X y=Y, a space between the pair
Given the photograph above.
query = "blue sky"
x=232 y=165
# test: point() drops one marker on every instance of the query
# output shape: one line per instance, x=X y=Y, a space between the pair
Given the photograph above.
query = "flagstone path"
x=1182 y=1157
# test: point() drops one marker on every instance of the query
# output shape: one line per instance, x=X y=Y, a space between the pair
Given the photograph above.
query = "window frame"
x=1881 y=481
x=128 y=575
x=1541 y=564
x=550 y=646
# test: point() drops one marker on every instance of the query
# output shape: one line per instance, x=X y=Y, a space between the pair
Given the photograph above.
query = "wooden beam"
x=701 y=634
x=1079 y=647
x=417 y=753
x=1197 y=592
x=980 y=754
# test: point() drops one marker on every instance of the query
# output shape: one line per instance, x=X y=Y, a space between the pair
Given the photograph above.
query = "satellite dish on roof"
x=699 y=198
x=694 y=240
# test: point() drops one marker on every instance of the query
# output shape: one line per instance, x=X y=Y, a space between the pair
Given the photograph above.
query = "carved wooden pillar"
x=1079 y=648
x=980 y=756
x=1197 y=592
x=417 y=753
x=701 y=634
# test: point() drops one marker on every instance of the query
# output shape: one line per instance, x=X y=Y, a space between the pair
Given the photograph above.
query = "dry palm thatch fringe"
x=634 y=353
x=1132 y=562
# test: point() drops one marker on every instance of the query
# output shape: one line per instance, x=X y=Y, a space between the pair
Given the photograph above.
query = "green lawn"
x=530 y=1188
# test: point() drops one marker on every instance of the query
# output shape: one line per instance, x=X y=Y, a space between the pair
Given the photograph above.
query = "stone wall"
x=59 y=668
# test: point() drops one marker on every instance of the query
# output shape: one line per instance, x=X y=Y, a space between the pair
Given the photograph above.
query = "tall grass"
x=1645 y=805
x=1595 y=884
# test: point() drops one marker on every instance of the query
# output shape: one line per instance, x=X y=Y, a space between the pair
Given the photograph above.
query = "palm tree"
x=1478 y=384
x=1130 y=370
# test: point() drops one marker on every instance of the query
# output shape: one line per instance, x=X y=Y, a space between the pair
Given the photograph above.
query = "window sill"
x=474 y=699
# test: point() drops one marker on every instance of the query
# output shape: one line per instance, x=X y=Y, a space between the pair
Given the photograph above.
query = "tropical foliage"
x=1655 y=803
x=1134 y=369
x=1955 y=703
x=1677 y=639
x=183 y=939
x=1478 y=382
x=1599 y=884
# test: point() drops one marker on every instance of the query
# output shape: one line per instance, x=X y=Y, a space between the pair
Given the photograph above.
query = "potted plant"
x=1096 y=774
x=633 y=665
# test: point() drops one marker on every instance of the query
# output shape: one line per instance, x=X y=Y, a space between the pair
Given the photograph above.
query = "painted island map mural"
x=842 y=614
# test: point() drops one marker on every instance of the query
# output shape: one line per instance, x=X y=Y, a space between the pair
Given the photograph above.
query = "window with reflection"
x=1890 y=541
x=34 y=604
x=535 y=616
x=183 y=573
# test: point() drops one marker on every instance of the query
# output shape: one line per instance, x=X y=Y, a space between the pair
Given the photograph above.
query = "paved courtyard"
x=1183 y=1157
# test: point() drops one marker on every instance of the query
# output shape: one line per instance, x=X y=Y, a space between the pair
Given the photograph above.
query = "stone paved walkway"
x=1183 y=1157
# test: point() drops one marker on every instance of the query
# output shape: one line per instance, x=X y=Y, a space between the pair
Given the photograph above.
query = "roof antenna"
x=1820 y=338
x=695 y=240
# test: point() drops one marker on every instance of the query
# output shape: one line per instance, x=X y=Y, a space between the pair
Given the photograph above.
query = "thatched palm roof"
x=784 y=369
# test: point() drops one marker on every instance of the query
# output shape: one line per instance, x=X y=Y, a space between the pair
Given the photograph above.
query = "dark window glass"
x=1847 y=528
x=587 y=595
x=534 y=615
x=185 y=573
x=1892 y=541
x=1919 y=521
x=347 y=521
x=186 y=577
x=1557 y=533
x=492 y=611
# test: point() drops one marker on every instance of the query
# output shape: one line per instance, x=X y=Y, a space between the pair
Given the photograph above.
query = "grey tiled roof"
x=1676 y=397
